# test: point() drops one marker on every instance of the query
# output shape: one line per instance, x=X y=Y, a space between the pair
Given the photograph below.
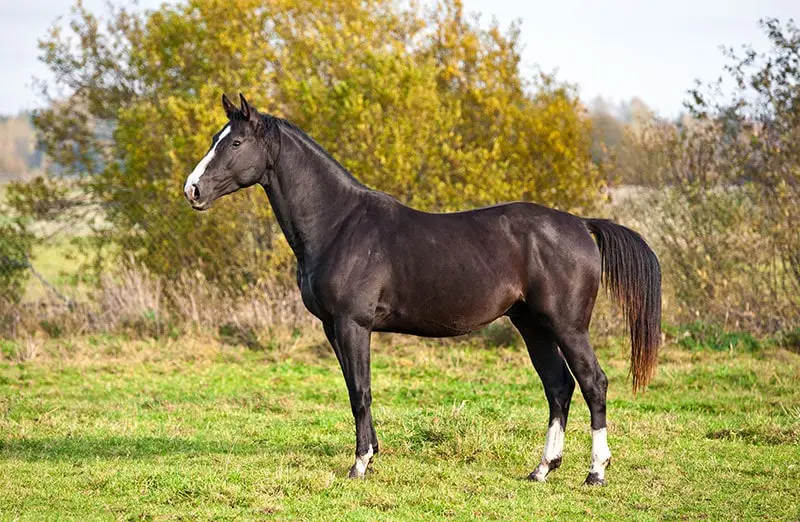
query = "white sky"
x=614 y=48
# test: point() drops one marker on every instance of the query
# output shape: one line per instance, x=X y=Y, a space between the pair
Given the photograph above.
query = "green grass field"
x=107 y=428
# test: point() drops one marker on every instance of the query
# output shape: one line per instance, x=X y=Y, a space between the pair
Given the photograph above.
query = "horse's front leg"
x=351 y=343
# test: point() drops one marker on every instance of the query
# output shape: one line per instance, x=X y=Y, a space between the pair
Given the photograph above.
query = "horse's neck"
x=310 y=194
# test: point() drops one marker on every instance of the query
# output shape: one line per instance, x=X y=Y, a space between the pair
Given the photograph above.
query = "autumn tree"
x=429 y=106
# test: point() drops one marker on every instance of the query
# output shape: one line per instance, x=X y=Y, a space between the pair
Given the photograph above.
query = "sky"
x=618 y=49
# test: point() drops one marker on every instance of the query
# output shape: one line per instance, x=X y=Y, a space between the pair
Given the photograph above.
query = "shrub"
x=702 y=336
x=722 y=210
x=15 y=245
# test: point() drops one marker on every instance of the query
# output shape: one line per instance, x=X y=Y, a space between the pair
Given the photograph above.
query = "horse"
x=367 y=263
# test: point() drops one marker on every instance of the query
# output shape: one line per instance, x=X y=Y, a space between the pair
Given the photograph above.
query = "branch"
x=13 y=263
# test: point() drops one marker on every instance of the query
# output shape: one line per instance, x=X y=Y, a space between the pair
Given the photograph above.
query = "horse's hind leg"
x=558 y=388
x=593 y=382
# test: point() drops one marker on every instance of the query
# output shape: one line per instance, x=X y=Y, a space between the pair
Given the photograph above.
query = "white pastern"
x=553 y=449
x=363 y=461
x=600 y=452
x=200 y=169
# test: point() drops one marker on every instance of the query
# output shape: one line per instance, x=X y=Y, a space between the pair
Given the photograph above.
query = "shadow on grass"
x=83 y=448
x=80 y=448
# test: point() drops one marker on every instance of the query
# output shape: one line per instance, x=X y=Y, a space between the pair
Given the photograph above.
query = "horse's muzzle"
x=192 y=193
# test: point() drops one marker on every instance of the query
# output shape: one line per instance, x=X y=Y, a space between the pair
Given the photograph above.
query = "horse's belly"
x=446 y=310
x=421 y=329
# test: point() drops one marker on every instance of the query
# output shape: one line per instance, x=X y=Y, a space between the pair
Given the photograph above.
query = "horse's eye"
x=236 y=143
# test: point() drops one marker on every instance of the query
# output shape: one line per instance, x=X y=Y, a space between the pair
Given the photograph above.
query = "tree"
x=760 y=133
x=729 y=189
x=607 y=132
x=15 y=245
x=431 y=108
x=18 y=153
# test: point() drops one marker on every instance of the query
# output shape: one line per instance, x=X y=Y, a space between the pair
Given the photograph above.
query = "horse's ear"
x=230 y=108
x=246 y=109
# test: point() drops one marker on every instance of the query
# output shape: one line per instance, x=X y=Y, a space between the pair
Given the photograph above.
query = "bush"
x=722 y=210
x=15 y=245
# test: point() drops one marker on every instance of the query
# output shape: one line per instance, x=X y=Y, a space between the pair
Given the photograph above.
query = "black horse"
x=366 y=262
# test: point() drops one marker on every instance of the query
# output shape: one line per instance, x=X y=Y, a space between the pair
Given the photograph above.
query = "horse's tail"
x=632 y=275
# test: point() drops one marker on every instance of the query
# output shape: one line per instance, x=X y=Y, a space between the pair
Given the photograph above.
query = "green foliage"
x=790 y=340
x=700 y=335
x=431 y=108
x=37 y=199
x=236 y=335
x=52 y=328
x=16 y=242
x=500 y=334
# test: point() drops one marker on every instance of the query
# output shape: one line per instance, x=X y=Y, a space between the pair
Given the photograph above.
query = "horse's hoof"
x=542 y=470
x=594 y=479
x=538 y=475
x=355 y=473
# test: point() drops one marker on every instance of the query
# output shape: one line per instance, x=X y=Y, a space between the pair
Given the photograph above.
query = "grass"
x=108 y=428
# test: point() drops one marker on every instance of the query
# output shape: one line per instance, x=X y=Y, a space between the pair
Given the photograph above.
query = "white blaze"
x=600 y=452
x=200 y=169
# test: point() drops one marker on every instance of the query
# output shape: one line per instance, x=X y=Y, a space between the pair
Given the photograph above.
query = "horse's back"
x=447 y=274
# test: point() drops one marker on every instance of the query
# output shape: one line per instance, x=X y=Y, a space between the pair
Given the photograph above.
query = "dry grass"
x=720 y=261
x=134 y=301
x=143 y=306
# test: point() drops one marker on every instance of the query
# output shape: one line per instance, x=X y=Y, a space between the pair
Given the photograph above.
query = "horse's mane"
x=284 y=124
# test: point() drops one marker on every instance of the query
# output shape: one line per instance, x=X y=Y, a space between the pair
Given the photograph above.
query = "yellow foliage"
x=430 y=108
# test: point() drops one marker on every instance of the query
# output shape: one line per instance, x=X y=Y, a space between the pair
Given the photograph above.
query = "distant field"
x=57 y=261
x=54 y=259
x=107 y=428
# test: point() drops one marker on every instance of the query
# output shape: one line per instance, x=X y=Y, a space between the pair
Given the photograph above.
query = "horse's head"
x=238 y=157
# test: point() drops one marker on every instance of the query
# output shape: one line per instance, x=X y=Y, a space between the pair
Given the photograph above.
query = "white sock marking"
x=600 y=452
x=553 y=449
x=554 y=444
x=200 y=169
x=363 y=461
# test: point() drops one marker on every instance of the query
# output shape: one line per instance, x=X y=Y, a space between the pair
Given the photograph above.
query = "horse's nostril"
x=194 y=192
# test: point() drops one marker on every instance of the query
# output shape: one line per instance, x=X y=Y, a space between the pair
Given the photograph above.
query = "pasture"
x=167 y=383
x=107 y=427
